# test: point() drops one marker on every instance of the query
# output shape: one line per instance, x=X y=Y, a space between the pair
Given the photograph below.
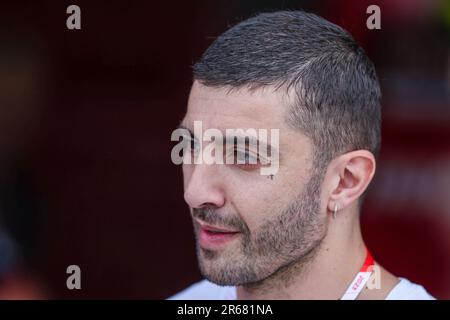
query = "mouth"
x=214 y=237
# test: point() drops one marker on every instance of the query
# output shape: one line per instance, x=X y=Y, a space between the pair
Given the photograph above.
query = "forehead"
x=221 y=108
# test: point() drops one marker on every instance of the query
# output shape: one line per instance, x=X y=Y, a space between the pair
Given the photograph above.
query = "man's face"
x=248 y=225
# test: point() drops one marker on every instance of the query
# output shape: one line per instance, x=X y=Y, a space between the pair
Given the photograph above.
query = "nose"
x=203 y=186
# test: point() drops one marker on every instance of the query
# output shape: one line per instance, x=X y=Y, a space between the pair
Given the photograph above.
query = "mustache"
x=211 y=216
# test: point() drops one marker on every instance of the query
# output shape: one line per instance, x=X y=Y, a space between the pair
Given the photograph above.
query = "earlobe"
x=336 y=208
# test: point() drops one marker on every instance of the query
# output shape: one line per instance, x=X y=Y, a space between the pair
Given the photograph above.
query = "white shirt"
x=205 y=290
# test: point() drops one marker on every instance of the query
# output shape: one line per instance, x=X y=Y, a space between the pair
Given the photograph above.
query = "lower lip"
x=212 y=240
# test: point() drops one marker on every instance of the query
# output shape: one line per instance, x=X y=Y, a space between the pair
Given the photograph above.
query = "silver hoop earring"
x=335 y=210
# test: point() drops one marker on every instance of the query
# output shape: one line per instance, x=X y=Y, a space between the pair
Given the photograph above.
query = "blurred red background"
x=85 y=123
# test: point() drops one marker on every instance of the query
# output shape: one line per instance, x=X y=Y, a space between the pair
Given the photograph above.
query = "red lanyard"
x=360 y=279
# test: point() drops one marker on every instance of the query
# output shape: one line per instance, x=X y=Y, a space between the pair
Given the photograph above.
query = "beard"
x=278 y=247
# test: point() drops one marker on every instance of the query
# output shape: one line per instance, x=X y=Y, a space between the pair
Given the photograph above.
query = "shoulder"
x=205 y=290
x=406 y=290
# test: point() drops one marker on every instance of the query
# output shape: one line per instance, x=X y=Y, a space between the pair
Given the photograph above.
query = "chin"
x=226 y=273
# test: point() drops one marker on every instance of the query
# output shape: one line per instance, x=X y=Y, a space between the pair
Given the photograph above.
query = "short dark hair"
x=335 y=90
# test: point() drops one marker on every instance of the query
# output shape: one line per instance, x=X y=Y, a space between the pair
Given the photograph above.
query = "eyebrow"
x=232 y=140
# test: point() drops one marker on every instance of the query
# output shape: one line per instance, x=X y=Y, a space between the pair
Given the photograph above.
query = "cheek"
x=258 y=202
x=260 y=199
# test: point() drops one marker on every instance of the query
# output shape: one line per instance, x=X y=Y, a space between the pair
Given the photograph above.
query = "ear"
x=349 y=176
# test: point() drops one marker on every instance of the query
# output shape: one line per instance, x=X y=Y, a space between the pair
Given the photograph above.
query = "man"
x=294 y=234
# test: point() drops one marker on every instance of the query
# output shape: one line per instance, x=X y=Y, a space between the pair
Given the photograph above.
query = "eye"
x=245 y=156
x=245 y=159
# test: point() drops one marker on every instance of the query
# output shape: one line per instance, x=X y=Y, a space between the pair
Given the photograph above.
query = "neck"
x=324 y=273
